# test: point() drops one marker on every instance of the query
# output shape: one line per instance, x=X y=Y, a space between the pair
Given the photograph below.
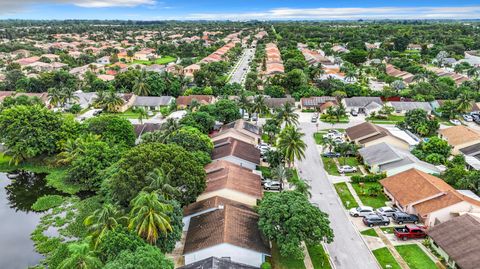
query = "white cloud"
x=471 y=12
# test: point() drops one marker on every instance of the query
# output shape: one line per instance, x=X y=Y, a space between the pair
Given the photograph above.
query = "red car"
x=410 y=231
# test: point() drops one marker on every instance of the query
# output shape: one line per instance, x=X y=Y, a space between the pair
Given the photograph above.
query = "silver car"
x=347 y=169
x=386 y=211
x=272 y=185
x=361 y=211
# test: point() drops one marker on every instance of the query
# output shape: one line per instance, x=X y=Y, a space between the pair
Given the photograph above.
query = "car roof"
x=402 y=214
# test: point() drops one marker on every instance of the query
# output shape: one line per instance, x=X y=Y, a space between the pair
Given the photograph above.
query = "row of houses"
x=274 y=63
x=221 y=227
x=395 y=72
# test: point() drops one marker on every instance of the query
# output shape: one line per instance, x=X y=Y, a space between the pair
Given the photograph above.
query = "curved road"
x=348 y=250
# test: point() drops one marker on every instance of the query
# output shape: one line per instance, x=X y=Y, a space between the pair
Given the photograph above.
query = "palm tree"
x=340 y=112
x=350 y=76
x=160 y=183
x=292 y=144
x=170 y=126
x=473 y=72
x=287 y=114
x=73 y=147
x=142 y=114
x=243 y=103
x=331 y=114
x=464 y=103
x=259 y=105
x=112 y=101
x=279 y=173
x=140 y=85
x=69 y=95
x=194 y=105
x=329 y=143
x=302 y=187
x=55 y=97
x=103 y=220
x=148 y=216
x=80 y=257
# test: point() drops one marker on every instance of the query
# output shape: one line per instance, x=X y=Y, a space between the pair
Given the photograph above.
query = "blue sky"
x=239 y=9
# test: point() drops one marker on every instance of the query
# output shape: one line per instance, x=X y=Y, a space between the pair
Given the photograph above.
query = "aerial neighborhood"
x=240 y=144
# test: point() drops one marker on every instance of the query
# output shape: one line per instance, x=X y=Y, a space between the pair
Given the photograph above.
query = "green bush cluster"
x=368 y=178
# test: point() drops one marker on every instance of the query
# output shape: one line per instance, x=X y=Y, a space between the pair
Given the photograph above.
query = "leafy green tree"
x=289 y=218
x=160 y=183
x=30 y=131
x=356 y=56
x=103 y=220
x=226 y=111
x=292 y=144
x=140 y=86
x=81 y=257
x=112 y=129
x=200 y=120
x=108 y=100
x=400 y=43
x=191 y=139
x=148 y=217
x=129 y=175
x=275 y=91
x=144 y=257
x=436 y=146
x=117 y=240
x=416 y=118
x=259 y=106
x=449 y=109
x=272 y=128
x=294 y=80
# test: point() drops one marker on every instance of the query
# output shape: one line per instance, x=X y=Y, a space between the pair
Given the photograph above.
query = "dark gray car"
x=374 y=219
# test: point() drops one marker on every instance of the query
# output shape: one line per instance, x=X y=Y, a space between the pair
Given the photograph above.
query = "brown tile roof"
x=413 y=185
x=234 y=147
x=459 y=238
x=186 y=100
x=210 y=203
x=367 y=132
x=226 y=175
x=232 y=225
x=458 y=135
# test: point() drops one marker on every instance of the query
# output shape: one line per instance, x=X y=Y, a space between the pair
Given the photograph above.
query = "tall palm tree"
x=329 y=143
x=287 y=114
x=464 y=103
x=279 y=173
x=473 y=72
x=102 y=220
x=340 y=112
x=55 y=97
x=112 y=101
x=243 y=103
x=259 y=106
x=160 y=183
x=80 y=257
x=69 y=95
x=292 y=144
x=142 y=114
x=148 y=216
x=140 y=85
x=170 y=126
x=73 y=147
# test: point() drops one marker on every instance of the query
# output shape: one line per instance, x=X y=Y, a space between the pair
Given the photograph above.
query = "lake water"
x=17 y=221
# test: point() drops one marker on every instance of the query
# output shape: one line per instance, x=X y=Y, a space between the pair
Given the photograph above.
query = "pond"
x=18 y=191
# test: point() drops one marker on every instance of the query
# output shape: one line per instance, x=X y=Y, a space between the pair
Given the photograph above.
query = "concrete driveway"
x=348 y=250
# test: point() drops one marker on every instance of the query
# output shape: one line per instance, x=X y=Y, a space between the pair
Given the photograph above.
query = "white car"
x=455 y=122
x=346 y=169
x=361 y=211
x=272 y=185
x=468 y=118
x=386 y=211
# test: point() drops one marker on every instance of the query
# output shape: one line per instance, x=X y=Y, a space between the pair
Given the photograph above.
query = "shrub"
x=46 y=202
x=266 y=265
x=368 y=178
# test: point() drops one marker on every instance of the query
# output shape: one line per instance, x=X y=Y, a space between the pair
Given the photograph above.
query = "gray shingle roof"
x=360 y=101
x=407 y=106
x=152 y=100
x=379 y=154
x=216 y=263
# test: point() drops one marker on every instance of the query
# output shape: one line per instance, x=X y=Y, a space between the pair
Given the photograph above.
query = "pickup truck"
x=410 y=231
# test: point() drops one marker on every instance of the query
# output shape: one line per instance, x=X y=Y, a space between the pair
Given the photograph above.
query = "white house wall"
x=236 y=254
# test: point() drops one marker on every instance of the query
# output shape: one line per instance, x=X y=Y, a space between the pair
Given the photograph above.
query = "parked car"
x=333 y=131
x=347 y=169
x=375 y=219
x=265 y=180
x=272 y=185
x=361 y=211
x=98 y=112
x=468 y=118
x=353 y=113
x=455 y=122
x=314 y=119
x=409 y=232
x=401 y=217
x=386 y=211
x=331 y=154
x=338 y=140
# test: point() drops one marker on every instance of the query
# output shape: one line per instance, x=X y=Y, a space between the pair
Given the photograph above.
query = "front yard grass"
x=319 y=257
x=391 y=119
x=369 y=232
x=387 y=230
x=280 y=262
x=163 y=60
x=330 y=166
x=386 y=259
x=345 y=195
x=415 y=257
x=368 y=200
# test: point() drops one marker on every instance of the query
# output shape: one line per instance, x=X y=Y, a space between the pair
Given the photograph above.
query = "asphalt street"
x=348 y=250
x=242 y=66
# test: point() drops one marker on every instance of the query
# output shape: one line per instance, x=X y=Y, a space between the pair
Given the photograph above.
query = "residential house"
x=144 y=55
x=414 y=47
x=153 y=103
x=457 y=240
x=85 y=99
x=472 y=156
x=240 y=130
x=274 y=63
x=217 y=263
x=383 y=158
x=4 y=94
x=319 y=103
x=190 y=70
x=367 y=134
x=362 y=104
x=394 y=72
x=401 y=108
x=431 y=198
x=104 y=60
x=340 y=49
x=274 y=103
x=143 y=128
x=459 y=137
x=231 y=233
x=472 y=57
x=185 y=101
x=237 y=152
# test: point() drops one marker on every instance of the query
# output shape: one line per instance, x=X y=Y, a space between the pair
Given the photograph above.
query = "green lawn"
x=163 y=60
x=266 y=171
x=369 y=232
x=129 y=114
x=352 y=161
x=387 y=230
x=342 y=120
x=385 y=258
x=319 y=137
x=279 y=262
x=330 y=166
x=373 y=201
x=319 y=257
x=345 y=195
x=389 y=119
x=415 y=257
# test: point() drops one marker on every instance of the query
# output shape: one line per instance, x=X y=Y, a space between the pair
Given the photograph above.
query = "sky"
x=239 y=10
